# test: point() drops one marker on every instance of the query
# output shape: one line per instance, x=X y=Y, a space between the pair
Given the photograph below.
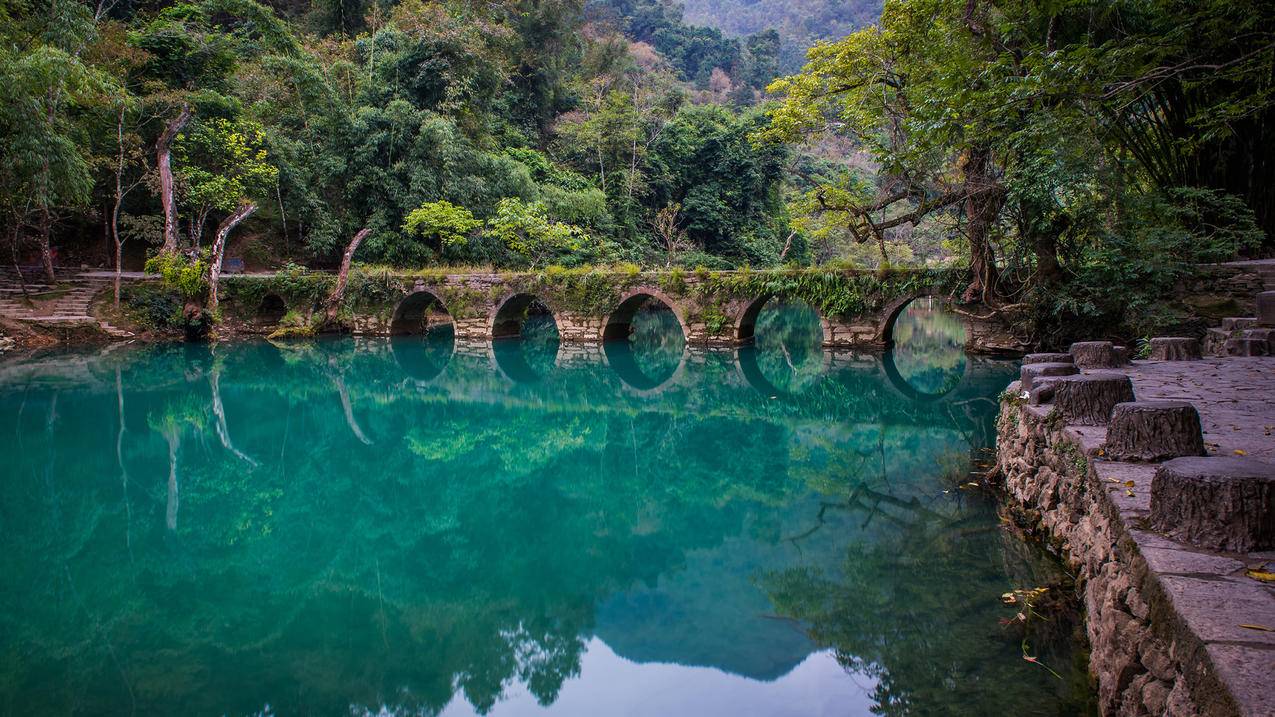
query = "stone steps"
x=1237 y=323
x=1267 y=272
x=115 y=331
x=1247 y=335
x=1240 y=342
x=71 y=306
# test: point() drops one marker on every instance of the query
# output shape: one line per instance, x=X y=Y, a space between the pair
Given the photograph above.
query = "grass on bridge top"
x=631 y=269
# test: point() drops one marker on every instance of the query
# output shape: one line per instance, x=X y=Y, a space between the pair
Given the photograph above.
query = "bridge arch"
x=510 y=314
x=518 y=360
x=896 y=308
x=619 y=324
x=746 y=321
x=652 y=367
x=270 y=311
x=933 y=362
x=417 y=313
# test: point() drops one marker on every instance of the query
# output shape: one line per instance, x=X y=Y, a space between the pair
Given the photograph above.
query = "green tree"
x=527 y=231
x=442 y=224
x=220 y=164
x=44 y=80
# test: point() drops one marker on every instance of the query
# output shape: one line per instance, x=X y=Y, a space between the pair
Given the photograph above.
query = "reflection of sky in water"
x=929 y=347
x=817 y=686
x=313 y=525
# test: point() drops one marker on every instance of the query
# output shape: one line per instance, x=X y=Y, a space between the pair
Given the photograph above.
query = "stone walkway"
x=1197 y=618
x=1235 y=398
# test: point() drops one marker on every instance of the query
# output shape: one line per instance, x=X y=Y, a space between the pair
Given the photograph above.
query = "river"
x=413 y=526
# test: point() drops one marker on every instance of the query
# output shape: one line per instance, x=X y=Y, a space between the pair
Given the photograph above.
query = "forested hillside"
x=425 y=122
x=800 y=23
x=1079 y=159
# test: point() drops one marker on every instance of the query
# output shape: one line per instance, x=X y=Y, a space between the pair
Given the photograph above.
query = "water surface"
x=425 y=526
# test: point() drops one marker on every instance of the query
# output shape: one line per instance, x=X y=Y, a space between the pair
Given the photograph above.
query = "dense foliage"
x=1086 y=154
x=547 y=132
x=1078 y=157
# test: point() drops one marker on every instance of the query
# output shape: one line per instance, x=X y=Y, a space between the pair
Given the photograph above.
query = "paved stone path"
x=1235 y=398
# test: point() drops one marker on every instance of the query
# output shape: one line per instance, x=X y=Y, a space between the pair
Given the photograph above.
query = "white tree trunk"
x=164 y=162
x=343 y=276
x=219 y=249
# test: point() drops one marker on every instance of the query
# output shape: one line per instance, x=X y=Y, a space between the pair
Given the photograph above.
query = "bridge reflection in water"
x=420 y=524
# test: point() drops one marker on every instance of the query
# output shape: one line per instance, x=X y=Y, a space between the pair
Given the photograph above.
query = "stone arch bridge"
x=857 y=309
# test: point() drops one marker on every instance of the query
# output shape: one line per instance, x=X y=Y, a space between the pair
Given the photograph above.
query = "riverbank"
x=1175 y=628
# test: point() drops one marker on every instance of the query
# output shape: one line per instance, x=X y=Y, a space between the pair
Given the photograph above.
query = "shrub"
x=187 y=275
x=153 y=306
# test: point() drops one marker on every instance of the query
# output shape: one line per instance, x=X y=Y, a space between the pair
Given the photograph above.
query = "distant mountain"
x=800 y=22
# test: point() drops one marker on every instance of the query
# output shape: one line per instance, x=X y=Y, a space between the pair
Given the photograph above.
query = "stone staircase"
x=1248 y=335
x=68 y=301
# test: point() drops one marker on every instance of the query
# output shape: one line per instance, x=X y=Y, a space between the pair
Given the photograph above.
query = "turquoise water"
x=425 y=526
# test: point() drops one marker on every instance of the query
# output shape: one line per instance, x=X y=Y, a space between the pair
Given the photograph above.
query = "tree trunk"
x=164 y=161
x=17 y=266
x=1095 y=354
x=343 y=276
x=1175 y=348
x=983 y=199
x=1153 y=431
x=219 y=249
x=46 y=253
x=1048 y=270
x=115 y=235
x=1223 y=503
x=1088 y=399
x=119 y=250
x=1028 y=373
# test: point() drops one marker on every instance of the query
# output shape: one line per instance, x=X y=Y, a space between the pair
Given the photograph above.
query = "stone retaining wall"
x=1217 y=291
x=1159 y=646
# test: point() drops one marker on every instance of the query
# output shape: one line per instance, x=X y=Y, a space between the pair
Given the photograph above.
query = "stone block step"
x=1266 y=309
x=1236 y=323
x=1246 y=347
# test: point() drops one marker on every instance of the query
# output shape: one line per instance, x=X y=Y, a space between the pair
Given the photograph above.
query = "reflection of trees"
x=918 y=610
x=474 y=556
x=656 y=340
x=789 y=340
x=929 y=347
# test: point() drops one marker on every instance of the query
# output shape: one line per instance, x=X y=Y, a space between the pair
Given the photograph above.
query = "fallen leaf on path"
x=1264 y=575
x=1262 y=628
